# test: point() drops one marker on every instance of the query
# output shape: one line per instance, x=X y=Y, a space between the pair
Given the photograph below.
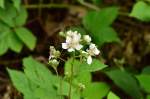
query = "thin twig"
x=35 y=6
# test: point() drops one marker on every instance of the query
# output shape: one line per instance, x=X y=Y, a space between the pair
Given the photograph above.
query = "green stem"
x=71 y=78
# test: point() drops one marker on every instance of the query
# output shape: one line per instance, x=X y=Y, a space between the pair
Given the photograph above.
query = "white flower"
x=87 y=38
x=72 y=41
x=92 y=51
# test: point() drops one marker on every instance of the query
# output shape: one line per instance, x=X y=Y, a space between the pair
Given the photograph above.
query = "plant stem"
x=71 y=78
x=35 y=6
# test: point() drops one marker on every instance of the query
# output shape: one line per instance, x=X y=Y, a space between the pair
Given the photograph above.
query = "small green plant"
x=40 y=83
x=13 y=34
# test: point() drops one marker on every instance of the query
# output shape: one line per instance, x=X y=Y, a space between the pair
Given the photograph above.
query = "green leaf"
x=21 y=82
x=27 y=37
x=96 y=90
x=17 y=4
x=105 y=35
x=8 y=14
x=111 y=95
x=15 y=43
x=141 y=11
x=84 y=78
x=4 y=42
x=21 y=18
x=144 y=82
x=95 y=66
x=98 y=23
x=2 y=3
x=126 y=82
x=68 y=66
x=38 y=73
x=104 y=17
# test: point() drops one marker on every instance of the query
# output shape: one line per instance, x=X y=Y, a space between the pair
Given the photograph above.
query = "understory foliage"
x=82 y=47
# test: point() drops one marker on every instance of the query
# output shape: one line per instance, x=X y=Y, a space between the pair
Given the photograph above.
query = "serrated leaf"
x=4 y=42
x=98 y=23
x=102 y=18
x=2 y=3
x=21 y=82
x=111 y=95
x=126 y=82
x=96 y=90
x=141 y=11
x=7 y=14
x=38 y=73
x=21 y=17
x=144 y=82
x=27 y=37
x=105 y=35
x=14 y=42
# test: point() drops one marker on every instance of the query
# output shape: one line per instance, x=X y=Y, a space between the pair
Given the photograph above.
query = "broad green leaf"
x=96 y=90
x=8 y=14
x=4 y=42
x=14 y=42
x=126 y=82
x=141 y=11
x=83 y=77
x=21 y=82
x=17 y=4
x=21 y=17
x=2 y=3
x=26 y=36
x=98 y=23
x=144 y=82
x=45 y=93
x=95 y=66
x=38 y=73
x=146 y=70
x=102 y=18
x=3 y=27
x=111 y=95
x=105 y=35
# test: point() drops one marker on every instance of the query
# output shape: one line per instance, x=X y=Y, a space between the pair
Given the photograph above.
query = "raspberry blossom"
x=92 y=51
x=72 y=41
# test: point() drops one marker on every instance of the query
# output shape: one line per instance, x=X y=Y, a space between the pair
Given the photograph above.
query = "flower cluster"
x=74 y=41
x=54 y=54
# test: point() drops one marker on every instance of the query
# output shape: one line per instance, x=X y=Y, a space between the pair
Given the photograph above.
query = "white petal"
x=92 y=46
x=65 y=45
x=68 y=39
x=79 y=46
x=70 y=50
x=96 y=51
x=89 y=60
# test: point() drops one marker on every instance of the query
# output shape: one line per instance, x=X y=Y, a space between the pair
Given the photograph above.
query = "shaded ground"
x=134 y=50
